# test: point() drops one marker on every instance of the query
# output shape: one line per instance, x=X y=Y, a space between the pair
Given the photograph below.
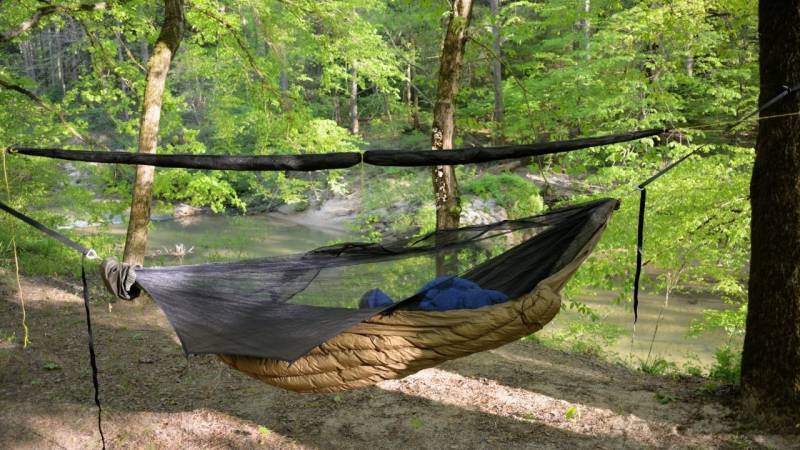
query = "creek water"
x=213 y=238
x=227 y=238
x=671 y=326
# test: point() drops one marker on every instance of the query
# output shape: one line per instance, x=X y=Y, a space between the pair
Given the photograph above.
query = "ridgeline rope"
x=25 y=331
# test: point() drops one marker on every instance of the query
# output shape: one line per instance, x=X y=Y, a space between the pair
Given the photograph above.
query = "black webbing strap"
x=639 y=245
x=785 y=91
x=50 y=232
x=339 y=160
x=85 y=253
x=92 y=357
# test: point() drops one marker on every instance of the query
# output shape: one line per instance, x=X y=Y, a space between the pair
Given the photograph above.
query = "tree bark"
x=771 y=358
x=157 y=69
x=587 y=34
x=445 y=185
x=497 y=72
x=353 y=101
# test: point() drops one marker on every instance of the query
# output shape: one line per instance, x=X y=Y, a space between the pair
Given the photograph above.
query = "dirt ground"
x=520 y=396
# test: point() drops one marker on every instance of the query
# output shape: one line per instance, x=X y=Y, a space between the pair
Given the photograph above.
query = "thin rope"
x=25 y=330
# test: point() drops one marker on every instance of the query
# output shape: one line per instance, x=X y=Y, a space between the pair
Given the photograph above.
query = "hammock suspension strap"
x=642 y=188
x=86 y=253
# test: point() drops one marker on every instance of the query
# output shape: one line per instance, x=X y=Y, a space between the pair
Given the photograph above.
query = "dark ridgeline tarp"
x=250 y=308
x=303 y=163
x=339 y=160
x=475 y=155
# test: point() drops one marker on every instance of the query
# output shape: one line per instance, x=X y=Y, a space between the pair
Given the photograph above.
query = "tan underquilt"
x=395 y=345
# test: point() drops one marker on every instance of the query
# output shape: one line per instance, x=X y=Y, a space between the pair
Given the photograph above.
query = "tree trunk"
x=157 y=68
x=497 y=72
x=144 y=52
x=771 y=358
x=60 y=61
x=445 y=185
x=28 y=59
x=585 y=27
x=353 y=101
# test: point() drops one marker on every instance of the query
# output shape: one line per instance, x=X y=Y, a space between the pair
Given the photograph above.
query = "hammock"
x=294 y=322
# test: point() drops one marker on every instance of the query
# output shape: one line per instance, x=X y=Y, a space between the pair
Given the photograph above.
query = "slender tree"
x=445 y=185
x=157 y=69
x=353 y=87
x=771 y=358
x=497 y=69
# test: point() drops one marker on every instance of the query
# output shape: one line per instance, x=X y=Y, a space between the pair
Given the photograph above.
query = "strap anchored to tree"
x=642 y=187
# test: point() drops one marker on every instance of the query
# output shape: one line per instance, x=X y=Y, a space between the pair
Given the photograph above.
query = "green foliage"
x=588 y=335
x=664 y=398
x=51 y=365
x=657 y=366
x=572 y=413
x=202 y=189
x=518 y=196
x=732 y=321
x=727 y=366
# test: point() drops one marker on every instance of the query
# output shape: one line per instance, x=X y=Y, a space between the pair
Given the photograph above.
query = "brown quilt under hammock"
x=395 y=345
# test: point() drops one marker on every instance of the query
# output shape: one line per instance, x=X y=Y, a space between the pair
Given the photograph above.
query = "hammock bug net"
x=282 y=307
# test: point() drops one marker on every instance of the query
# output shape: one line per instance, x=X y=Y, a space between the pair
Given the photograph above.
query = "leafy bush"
x=518 y=196
x=727 y=365
x=657 y=366
x=587 y=335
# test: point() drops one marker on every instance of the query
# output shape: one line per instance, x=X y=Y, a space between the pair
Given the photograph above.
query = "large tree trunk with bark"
x=157 y=69
x=771 y=359
x=445 y=185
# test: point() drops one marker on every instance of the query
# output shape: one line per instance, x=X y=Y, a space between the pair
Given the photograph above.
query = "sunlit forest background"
x=301 y=76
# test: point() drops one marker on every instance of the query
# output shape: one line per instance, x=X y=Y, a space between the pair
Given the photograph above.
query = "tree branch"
x=45 y=11
x=48 y=107
x=248 y=55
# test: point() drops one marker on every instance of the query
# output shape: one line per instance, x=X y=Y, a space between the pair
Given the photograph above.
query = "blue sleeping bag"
x=442 y=294
x=375 y=298
x=446 y=293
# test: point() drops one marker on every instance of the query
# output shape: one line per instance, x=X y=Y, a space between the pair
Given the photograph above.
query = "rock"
x=334 y=214
x=184 y=210
x=161 y=217
x=286 y=208
x=478 y=211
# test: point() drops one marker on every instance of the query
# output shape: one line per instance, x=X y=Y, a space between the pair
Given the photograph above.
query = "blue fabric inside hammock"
x=442 y=294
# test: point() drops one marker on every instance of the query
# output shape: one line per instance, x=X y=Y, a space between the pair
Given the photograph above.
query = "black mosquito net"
x=282 y=307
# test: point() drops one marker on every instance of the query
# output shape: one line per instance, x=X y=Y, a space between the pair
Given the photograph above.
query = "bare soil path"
x=520 y=396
